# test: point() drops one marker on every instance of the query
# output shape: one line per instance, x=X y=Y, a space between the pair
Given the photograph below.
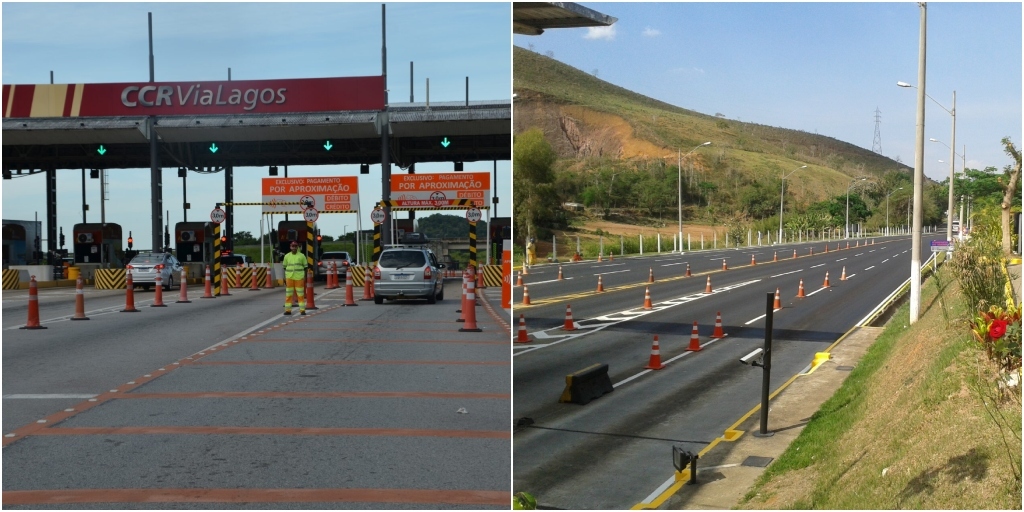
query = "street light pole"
x=782 y=197
x=679 y=182
x=861 y=178
x=915 y=237
x=887 y=210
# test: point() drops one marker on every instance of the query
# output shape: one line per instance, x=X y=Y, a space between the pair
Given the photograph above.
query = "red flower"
x=997 y=329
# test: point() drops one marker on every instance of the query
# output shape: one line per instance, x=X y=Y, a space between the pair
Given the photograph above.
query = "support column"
x=229 y=209
x=51 y=210
x=156 y=192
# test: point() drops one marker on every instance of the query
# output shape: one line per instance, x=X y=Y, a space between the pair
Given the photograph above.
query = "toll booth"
x=99 y=244
x=194 y=242
x=289 y=230
x=15 y=245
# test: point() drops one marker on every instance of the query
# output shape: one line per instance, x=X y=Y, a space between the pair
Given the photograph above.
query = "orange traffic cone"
x=872 y=241
x=349 y=298
x=526 y=270
x=183 y=287
x=270 y=277
x=847 y=245
x=158 y=295
x=826 y=248
x=843 y=277
x=332 y=272
x=79 y=300
x=611 y=256
x=519 y=280
x=129 y=305
x=647 y=299
x=826 y=285
x=718 y=327
x=694 y=339
x=462 y=304
x=560 y=273
x=33 y=306
x=600 y=285
x=724 y=266
x=776 y=257
x=569 y=325
x=688 y=274
x=310 y=299
x=480 y=285
x=526 y=295
x=858 y=244
x=208 y=292
x=650 y=275
x=837 y=246
x=655 y=361
x=254 y=282
x=812 y=252
x=224 y=282
x=752 y=260
x=367 y=285
x=599 y=257
x=470 y=325
x=707 y=289
x=800 y=291
x=794 y=254
x=778 y=300
x=522 y=337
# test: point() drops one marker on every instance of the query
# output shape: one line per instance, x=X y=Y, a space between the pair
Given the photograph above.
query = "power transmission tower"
x=876 y=145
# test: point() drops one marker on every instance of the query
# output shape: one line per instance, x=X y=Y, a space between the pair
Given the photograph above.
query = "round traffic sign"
x=473 y=214
x=218 y=216
x=307 y=202
x=377 y=216
x=310 y=214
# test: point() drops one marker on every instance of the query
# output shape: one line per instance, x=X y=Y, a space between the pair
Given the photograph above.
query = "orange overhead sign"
x=440 y=189
x=324 y=193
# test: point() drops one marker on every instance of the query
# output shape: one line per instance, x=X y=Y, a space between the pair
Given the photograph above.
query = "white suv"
x=408 y=272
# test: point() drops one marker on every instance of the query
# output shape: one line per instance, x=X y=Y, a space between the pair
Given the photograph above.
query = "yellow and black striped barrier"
x=247 y=272
x=110 y=279
x=10 y=280
x=492 y=275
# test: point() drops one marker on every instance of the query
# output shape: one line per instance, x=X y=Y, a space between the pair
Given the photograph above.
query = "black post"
x=285 y=215
x=385 y=160
x=184 y=196
x=85 y=207
x=155 y=173
x=229 y=209
x=51 y=211
x=767 y=367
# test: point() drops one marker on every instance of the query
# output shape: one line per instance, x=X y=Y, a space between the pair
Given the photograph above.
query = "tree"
x=244 y=238
x=1013 y=175
x=536 y=200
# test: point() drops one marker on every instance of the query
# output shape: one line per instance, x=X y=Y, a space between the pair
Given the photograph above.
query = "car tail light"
x=376 y=273
x=320 y=264
x=427 y=274
x=130 y=267
x=160 y=266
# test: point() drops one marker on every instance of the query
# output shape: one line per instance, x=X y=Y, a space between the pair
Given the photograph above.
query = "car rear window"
x=148 y=259
x=335 y=256
x=402 y=259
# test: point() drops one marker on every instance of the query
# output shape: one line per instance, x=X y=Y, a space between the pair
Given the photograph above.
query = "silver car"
x=408 y=272
x=145 y=266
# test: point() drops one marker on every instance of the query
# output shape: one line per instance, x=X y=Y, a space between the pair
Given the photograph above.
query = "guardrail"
x=930 y=264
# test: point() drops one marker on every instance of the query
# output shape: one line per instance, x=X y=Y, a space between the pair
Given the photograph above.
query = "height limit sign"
x=474 y=215
x=310 y=214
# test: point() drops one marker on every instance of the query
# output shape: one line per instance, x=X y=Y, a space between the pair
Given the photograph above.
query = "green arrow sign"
x=328 y=146
x=445 y=142
x=213 y=148
x=101 y=150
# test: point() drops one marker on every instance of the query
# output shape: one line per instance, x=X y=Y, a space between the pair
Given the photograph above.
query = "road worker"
x=295 y=266
x=531 y=252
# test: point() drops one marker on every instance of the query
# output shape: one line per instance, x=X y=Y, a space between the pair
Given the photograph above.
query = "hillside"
x=599 y=128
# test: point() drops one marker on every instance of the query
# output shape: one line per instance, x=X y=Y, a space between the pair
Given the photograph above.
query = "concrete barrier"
x=587 y=384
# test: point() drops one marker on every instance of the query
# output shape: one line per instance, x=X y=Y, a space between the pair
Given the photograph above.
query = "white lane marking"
x=861 y=254
x=816 y=291
x=756 y=319
x=514 y=347
x=784 y=273
x=274 y=318
x=680 y=263
x=872 y=250
x=613 y=272
x=850 y=276
x=819 y=265
x=645 y=372
x=869 y=268
x=885 y=260
x=608 y=265
x=661 y=488
x=840 y=259
x=46 y=396
x=544 y=282
x=592 y=325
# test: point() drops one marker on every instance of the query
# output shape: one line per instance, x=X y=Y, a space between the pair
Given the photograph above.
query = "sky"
x=819 y=67
x=108 y=42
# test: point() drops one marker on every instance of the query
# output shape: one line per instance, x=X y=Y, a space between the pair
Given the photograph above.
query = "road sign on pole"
x=310 y=214
x=474 y=214
x=218 y=216
x=377 y=216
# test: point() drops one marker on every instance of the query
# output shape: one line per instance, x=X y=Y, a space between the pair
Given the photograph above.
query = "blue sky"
x=97 y=42
x=819 y=67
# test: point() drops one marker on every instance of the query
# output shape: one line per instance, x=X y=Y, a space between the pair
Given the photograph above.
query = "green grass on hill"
x=913 y=426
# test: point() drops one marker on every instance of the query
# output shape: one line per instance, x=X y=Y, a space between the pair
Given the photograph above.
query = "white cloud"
x=652 y=32
x=600 y=33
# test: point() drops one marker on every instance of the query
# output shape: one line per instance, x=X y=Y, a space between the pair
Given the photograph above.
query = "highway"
x=614 y=452
x=227 y=403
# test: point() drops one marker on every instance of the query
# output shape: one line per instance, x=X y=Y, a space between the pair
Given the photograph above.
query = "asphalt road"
x=226 y=403
x=615 y=451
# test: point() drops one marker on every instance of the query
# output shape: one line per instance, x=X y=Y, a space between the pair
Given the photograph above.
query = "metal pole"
x=782 y=197
x=915 y=251
x=155 y=173
x=86 y=206
x=952 y=155
x=679 y=156
x=184 y=197
x=767 y=366
x=385 y=160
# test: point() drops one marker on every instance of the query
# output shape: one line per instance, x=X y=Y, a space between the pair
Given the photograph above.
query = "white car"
x=145 y=266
